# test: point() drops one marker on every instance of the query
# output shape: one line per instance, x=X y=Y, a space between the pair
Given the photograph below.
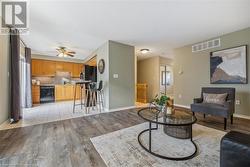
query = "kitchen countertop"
x=71 y=83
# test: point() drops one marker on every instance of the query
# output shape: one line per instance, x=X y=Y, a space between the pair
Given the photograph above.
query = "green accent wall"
x=4 y=77
x=121 y=62
x=195 y=68
x=119 y=59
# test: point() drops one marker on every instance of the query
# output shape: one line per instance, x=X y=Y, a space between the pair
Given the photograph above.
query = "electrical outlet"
x=237 y=102
x=115 y=75
x=180 y=96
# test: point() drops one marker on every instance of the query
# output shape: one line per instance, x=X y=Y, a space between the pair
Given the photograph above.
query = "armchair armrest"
x=198 y=100
x=229 y=104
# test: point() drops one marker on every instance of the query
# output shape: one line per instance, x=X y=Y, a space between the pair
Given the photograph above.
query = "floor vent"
x=206 y=45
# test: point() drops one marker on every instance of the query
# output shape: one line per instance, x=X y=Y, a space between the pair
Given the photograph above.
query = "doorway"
x=166 y=80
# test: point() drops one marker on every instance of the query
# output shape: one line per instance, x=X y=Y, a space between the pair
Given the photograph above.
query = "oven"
x=47 y=94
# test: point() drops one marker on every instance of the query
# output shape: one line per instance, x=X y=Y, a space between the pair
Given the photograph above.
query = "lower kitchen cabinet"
x=66 y=92
x=35 y=94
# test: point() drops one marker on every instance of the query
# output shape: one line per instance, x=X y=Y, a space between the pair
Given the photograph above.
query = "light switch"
x=237 y=102
x=115 y=75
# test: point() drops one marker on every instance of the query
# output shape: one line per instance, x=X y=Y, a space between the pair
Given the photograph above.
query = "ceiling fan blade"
x=71 y=52
x=70 y=55
x=59 y=50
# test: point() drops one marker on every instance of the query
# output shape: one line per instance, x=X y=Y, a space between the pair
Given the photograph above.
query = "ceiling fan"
x=63 y=52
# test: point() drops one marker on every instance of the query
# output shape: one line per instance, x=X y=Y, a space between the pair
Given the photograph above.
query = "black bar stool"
x=82 y=85
x=97 y=96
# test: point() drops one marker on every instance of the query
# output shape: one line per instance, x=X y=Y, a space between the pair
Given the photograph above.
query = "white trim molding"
x=235 y=115
x=242 y=116
x=120 y=109
x=182 y=106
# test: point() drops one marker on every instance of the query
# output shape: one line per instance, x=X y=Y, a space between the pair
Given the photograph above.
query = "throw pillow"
x=214 y=98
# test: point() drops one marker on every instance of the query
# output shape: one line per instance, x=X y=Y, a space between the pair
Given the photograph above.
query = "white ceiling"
x=155 y=24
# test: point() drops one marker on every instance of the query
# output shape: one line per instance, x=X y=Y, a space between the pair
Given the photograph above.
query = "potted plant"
x=161 y=101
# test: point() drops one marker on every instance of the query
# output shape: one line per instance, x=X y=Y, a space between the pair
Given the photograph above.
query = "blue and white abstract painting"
x=229 y=66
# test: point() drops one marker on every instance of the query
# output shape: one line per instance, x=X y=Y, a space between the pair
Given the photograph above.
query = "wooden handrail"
x=141 y=92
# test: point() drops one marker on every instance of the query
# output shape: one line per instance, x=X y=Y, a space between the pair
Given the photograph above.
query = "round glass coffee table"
x=174 y=125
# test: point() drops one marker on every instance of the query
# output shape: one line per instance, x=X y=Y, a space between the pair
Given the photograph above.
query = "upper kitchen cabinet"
x=68 y=67
x=36 y=67
x=43 y=67
x=48 y=68
x=77 y=69
x=81 y=68
x=59 y=65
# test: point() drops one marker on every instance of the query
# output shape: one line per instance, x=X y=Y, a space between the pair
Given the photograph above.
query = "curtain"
x=22 y=64
x=28 y=93
x=15 y=106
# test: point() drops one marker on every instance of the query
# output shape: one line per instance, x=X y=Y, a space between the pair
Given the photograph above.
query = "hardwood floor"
x=62 y=143
x=67 y=143
x=239 y=124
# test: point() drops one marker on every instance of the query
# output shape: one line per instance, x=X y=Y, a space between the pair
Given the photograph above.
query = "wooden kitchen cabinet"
x=68 y=67
x=59 y=92
x=80 y=68
x=59 y=66
x=66 y=92
x=63 y=92
x=36 y=67
x=35 y=94
x=48 y=68
x=77 y=69
x=78 y=93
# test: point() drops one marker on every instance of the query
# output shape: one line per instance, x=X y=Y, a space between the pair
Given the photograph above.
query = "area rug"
x=121 y=148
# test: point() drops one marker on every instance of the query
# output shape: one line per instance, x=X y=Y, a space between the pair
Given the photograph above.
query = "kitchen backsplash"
x=45 y=80
x=49 y=80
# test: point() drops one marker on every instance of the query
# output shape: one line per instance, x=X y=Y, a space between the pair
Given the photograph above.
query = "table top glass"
x=150 y=114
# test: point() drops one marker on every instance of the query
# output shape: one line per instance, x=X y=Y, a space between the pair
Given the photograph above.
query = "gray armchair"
x=226 y=110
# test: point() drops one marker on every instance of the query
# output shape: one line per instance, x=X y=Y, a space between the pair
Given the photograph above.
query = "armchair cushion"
x=210 y=108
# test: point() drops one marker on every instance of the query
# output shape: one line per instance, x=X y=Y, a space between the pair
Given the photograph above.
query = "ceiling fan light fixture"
x=144 y=51
x=63 y=52
x=61 y=55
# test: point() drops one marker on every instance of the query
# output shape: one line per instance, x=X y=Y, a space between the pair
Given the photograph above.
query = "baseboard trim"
x=242 y=116
x=120 y=109
x=235 y=115
x=182 y=106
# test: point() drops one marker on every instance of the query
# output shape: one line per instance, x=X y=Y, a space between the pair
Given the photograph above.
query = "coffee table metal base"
x=149 y=130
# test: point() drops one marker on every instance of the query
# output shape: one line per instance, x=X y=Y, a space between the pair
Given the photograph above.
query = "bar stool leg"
x=74 y=100
x=85 y=98
x=90 y=99
x=81 y=95
x=93 y=100
x=102 y=98
x=99 y=100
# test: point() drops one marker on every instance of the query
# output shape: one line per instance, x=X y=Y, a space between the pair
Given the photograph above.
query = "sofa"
x=235 y=150
x=224 y=110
